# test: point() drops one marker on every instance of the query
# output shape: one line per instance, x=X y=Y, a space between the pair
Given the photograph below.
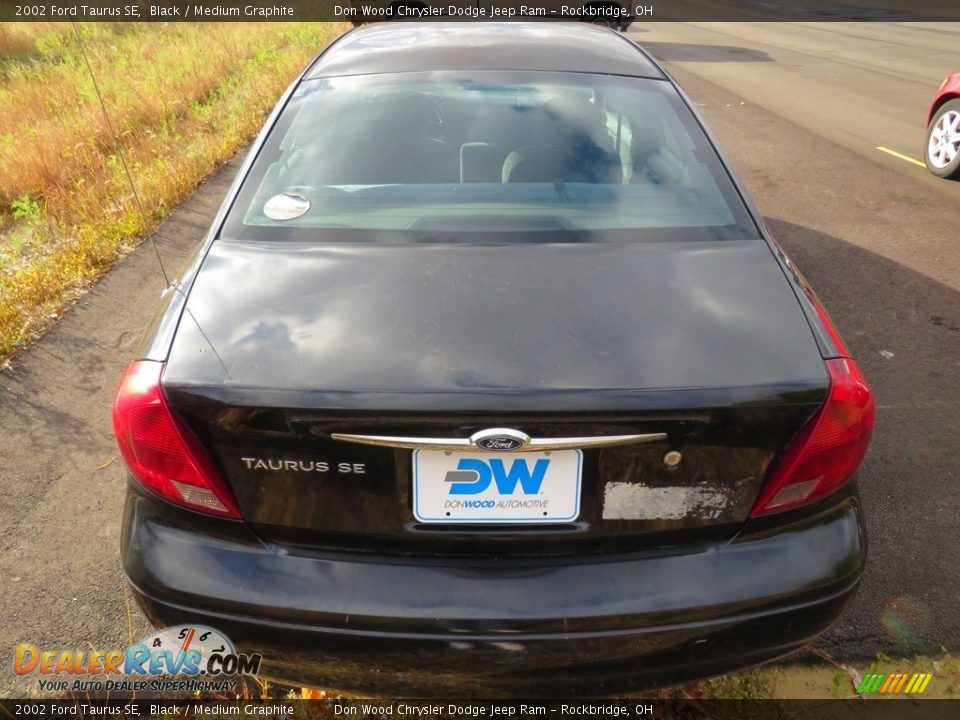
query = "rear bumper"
x=465 y=627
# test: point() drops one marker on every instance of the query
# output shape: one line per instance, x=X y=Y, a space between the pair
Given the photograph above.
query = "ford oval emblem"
x=500 y=439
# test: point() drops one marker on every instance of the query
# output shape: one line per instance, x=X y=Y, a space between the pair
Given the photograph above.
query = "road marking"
x=909 y=159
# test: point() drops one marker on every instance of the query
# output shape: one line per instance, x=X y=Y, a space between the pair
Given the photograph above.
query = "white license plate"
x=490 y=487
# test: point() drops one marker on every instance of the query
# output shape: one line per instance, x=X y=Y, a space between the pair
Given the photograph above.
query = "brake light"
x=160 y=451
x=827 y=451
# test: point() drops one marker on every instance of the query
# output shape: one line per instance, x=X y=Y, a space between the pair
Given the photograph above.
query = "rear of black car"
x=333 y=432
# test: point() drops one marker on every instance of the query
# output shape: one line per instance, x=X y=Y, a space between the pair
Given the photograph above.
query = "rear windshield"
x=512 y=156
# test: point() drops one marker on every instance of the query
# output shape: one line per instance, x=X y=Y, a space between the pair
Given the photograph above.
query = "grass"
x=812 y=675
x=182 y=98
x=817 y=676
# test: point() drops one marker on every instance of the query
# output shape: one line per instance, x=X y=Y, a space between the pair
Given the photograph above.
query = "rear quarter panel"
x=949 y=90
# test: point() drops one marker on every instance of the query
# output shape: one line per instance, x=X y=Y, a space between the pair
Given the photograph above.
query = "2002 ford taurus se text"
x=489 y=379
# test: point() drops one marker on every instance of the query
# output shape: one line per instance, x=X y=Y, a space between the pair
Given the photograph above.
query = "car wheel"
x=943 y=141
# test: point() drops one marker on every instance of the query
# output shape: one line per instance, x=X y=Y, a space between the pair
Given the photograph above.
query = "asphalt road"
x=800 y=110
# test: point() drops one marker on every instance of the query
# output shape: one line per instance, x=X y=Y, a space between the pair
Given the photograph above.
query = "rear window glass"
x=556 y=156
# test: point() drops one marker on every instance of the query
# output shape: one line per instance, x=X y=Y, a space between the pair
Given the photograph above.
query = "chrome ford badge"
x=502 y=439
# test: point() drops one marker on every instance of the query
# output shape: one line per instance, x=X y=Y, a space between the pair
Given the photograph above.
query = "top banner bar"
x=612 y=12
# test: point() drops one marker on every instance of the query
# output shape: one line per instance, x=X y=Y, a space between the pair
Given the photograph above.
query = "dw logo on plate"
x=473 y=476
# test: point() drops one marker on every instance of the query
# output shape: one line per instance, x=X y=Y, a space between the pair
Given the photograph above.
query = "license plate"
x=485 y=487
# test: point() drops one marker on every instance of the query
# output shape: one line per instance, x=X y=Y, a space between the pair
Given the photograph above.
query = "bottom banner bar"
x=678 y=709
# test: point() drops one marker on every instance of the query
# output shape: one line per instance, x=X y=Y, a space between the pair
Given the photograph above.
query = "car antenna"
x=561 y=187
x=120 y=152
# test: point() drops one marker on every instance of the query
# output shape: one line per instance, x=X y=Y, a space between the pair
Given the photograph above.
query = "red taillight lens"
x=829 y=448
x=159 y=450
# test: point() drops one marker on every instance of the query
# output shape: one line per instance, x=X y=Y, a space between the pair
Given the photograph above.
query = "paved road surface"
x=799 y=110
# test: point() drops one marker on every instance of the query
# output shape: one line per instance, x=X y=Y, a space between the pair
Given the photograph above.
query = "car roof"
x=423 y=47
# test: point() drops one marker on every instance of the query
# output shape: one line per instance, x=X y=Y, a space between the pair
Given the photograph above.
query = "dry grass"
x=183 y=98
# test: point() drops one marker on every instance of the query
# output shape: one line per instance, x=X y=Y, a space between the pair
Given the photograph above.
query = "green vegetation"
x=815 y=675
x=182 y=98
x=812 y=675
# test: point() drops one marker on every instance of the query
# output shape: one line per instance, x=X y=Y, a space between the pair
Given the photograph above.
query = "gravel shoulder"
x=61 y=584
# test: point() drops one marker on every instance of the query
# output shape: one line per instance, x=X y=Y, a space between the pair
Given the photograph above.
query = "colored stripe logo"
x=892 y=683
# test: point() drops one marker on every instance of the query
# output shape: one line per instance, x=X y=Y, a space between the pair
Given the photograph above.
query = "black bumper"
x=461 y=627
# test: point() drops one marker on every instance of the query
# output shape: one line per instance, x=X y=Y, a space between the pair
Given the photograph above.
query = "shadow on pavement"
x=904 y=330
x=695 y=52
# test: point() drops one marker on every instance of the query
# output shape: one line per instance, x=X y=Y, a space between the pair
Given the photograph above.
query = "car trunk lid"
x=704 y=343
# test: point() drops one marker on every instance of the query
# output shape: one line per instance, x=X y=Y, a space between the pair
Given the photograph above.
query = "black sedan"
x=489 y=379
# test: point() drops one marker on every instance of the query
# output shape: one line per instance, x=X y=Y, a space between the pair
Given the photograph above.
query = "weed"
x=25 y=208
x=183 y=98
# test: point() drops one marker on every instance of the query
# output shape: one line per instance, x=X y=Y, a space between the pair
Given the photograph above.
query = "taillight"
x=829 y=448
x=160 y=451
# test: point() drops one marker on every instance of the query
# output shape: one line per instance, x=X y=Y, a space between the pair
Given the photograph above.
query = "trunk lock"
x=672 y=459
